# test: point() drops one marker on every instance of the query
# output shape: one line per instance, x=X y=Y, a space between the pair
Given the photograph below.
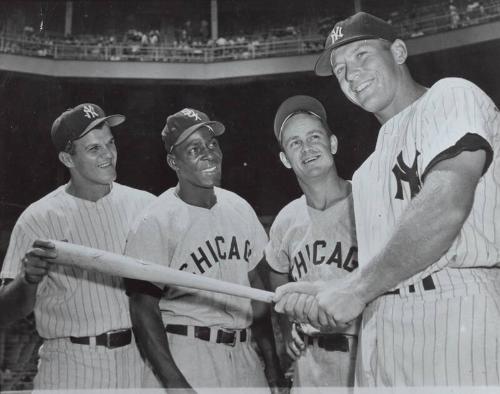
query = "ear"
x=66 y=159
x=399 y=51
x=284 y=160
x=334 y=144
x=171 y=162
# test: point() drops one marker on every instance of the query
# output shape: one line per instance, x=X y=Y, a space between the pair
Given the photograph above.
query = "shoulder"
x=290 y=213
x=46 y=208
x=132 y=193
x=229 y=198
x=456 y=88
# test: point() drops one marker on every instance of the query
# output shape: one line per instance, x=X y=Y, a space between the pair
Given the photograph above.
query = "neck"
x=408 y=92
x=322 y=193
x=86 y=192
x=197 y=196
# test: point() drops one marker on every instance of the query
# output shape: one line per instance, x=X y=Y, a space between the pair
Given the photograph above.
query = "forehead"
x=347 y=49
x=201 y=134
x=99 y=134
x=301 y=124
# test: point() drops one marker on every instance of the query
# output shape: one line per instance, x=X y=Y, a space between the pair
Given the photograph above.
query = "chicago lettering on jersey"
x=214 y=251
x=405 y=173
x=314 y=254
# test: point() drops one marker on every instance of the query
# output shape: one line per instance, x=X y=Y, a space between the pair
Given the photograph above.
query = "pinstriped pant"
x=65 y=365
x=437 y=338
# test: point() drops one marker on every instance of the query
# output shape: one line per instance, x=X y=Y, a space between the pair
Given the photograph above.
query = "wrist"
x=26 y=279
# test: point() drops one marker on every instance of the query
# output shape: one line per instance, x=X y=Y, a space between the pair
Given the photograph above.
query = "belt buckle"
x=230 y=332
x=109 y=342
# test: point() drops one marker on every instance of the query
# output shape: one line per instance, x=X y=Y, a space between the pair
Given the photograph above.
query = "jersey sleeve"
x=457 y=118
x=276 y=253
x=259 y=242
x=21 y=239
x=144 y=241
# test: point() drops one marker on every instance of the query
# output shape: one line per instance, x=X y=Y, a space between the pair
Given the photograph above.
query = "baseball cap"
x=74 y=123
x=182 y=124
x=294 y=105
x=360 y=26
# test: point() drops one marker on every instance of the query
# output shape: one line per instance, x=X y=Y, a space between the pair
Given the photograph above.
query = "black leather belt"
x=110 y=339
x=427 y=284
x=330 y=342
x=203 y=333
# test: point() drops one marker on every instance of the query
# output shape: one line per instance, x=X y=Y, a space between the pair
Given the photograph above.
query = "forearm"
x=263 y=333
x=425 y=232
x=17 y=300
x=150 y=333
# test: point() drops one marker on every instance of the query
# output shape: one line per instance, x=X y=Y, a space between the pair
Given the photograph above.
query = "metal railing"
x=60 y=50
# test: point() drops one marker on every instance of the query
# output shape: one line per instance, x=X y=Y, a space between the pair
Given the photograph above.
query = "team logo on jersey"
x=90 y=111
x=405 y=173
x=336 y=34
x=213 y=251
x=317 y=253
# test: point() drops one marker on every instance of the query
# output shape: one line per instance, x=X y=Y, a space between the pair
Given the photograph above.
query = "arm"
x=294 y=346
x=428 y=227
x=150 y=333
x=263 y=333
x=21 y=291
x=426 y=230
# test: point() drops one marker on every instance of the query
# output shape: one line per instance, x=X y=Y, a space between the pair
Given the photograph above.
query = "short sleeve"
x=276 y=255
x=259 y=242
x=456 y=118
x=144 y=242
x=21 y=240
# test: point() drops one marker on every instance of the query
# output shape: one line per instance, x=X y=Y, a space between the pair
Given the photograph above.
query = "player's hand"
x=294 y=345
x=36 y=261
x=340 y=304
x=294 y=299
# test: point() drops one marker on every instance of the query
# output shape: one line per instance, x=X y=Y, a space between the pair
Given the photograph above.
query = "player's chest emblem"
x=406 y=173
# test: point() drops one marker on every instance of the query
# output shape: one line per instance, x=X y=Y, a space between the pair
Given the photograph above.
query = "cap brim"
x=216 y=127
x=296 y=104
x=323 y=67
x=111 y=121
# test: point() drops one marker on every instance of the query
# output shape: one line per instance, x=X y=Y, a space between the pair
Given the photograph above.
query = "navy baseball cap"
x=295 y=105
x=182 y=124
x=74 y=123
x=360 y=26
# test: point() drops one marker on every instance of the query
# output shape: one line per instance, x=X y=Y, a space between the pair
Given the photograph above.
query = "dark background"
x=28 y=105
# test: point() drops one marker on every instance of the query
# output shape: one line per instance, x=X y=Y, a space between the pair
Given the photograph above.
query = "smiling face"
x=197 y=160
x=307 y=146
x=368 y=73
x=93 y=159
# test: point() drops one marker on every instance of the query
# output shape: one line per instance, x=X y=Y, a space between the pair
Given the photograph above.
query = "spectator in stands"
x=454 y=15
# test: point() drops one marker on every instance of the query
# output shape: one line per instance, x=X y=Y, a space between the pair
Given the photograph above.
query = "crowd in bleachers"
x=195 y=45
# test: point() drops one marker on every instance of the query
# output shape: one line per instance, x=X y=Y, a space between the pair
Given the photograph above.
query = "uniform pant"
x=440 y=337
x=320 y=368
x=207 y=364
x=65 y=365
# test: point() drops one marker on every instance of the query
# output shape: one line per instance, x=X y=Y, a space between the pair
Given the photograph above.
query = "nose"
x=351 y=73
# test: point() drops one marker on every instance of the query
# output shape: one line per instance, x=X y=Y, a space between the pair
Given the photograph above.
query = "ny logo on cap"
x=190 y=113
x=90 y=111
x=336 y=34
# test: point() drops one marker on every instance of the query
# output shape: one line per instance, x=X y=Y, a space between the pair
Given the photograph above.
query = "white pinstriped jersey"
x=311 y=245
x=71 y=301
x=224 y=242
x=452 y=116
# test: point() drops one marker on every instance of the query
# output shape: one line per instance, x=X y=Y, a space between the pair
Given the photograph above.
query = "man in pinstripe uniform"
x=427 y=203
x=82 y=316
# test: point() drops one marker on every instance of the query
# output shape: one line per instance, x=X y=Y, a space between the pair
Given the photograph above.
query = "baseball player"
x=313 y=238
x=427 y=206
x=82 y=316
x=198 y=338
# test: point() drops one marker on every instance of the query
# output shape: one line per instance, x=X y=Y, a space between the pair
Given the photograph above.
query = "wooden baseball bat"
x=129 y=267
